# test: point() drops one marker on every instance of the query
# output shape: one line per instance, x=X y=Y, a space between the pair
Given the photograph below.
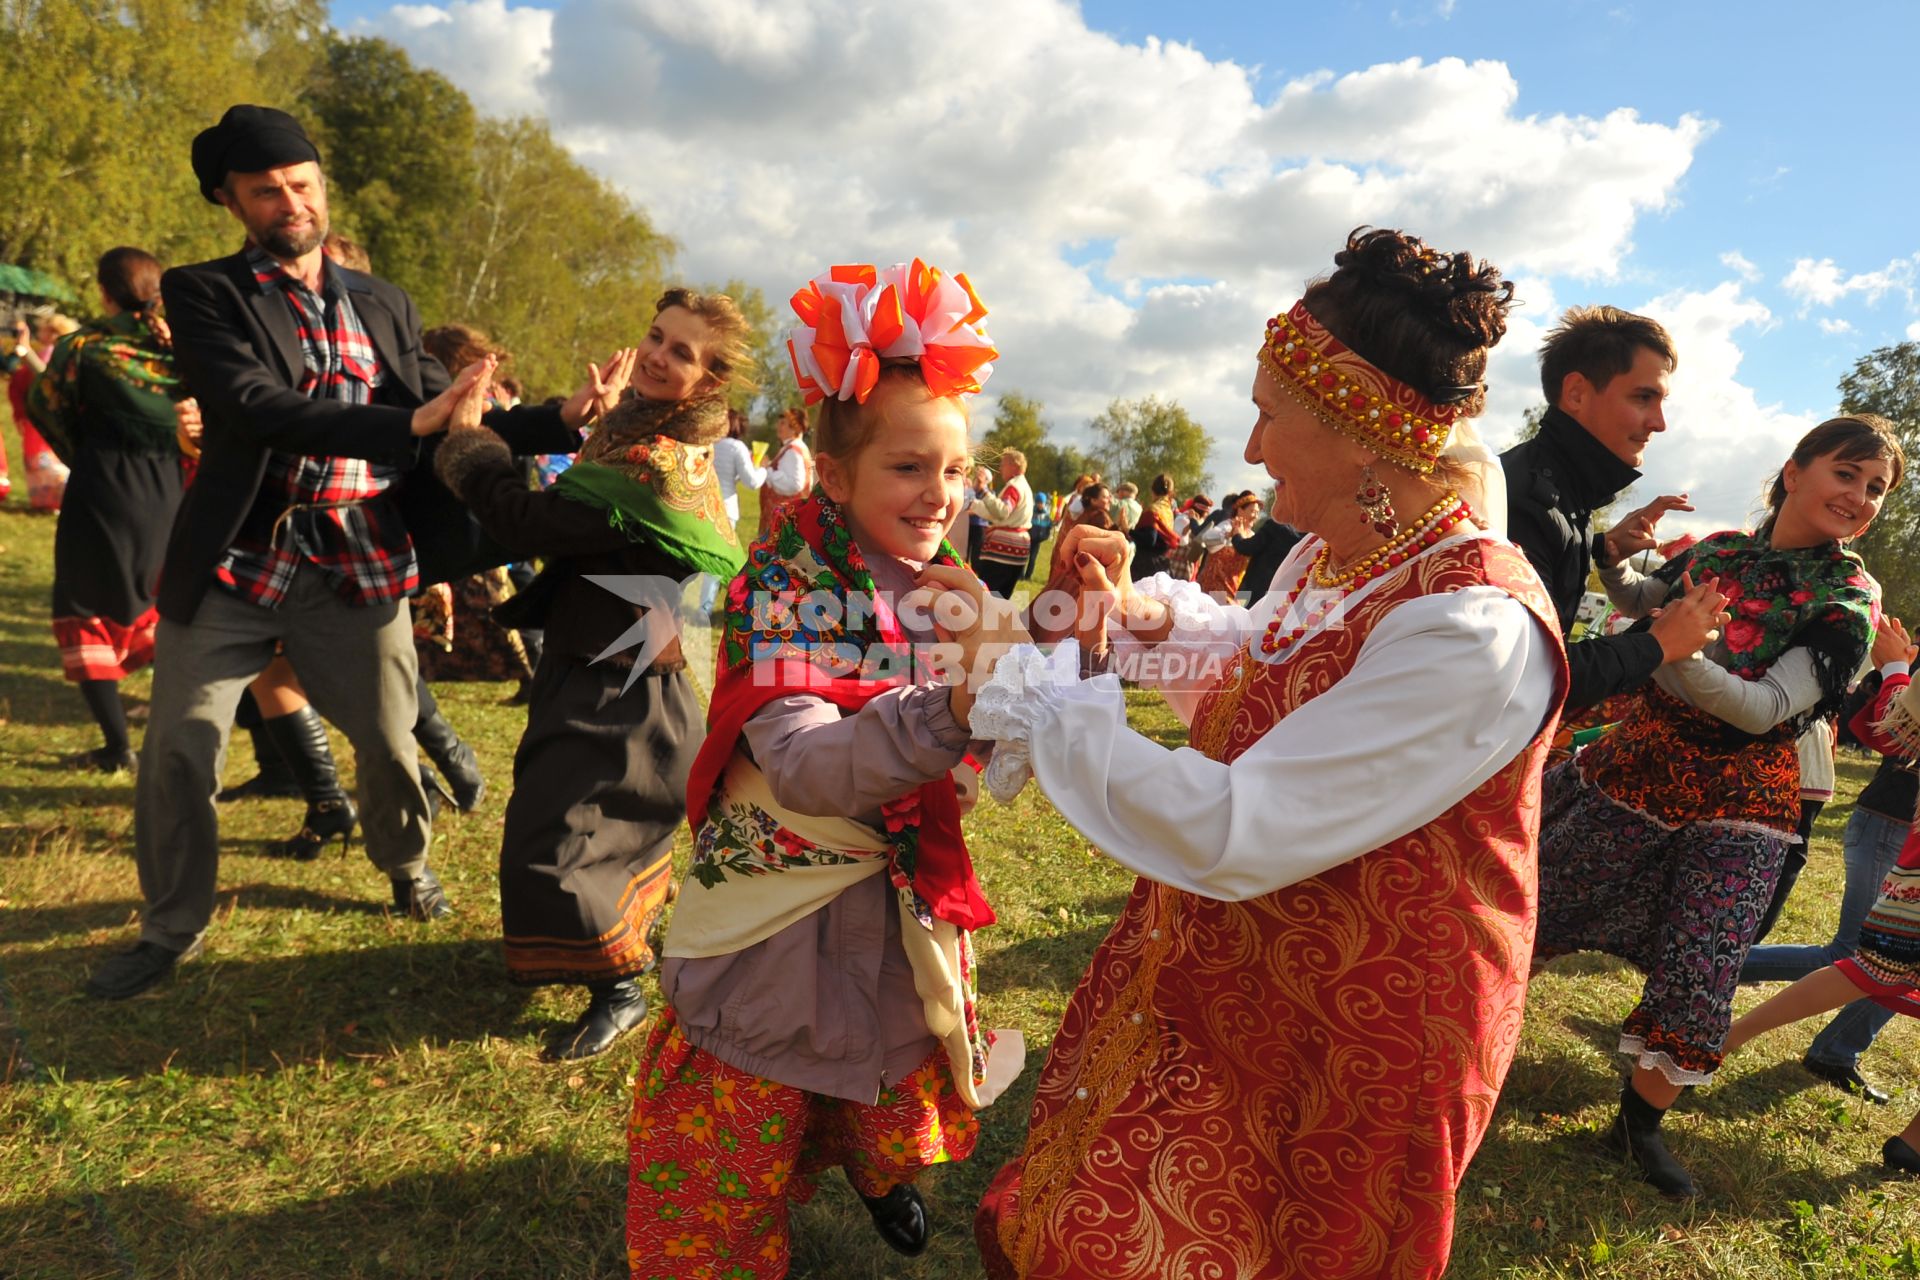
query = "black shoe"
x=615 y=1009
x=325 y=821
x=1636 y=1133
x=275 y=781
x=1847 y=1079
x=1897 y=1155
x=145 y=966
x=108 y=760
x=422 y=898
x=454 y=759
x=900 y=1216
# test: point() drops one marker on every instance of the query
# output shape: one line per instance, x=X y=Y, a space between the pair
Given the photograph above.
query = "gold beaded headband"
x=1353 y=397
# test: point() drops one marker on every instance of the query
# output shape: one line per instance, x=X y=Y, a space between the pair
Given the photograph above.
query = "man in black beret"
x=312 y=518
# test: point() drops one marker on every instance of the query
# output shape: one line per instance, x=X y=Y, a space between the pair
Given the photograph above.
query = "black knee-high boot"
x=301 y=739
x=1636 y=1132
x=273 y=777
x=450 y=755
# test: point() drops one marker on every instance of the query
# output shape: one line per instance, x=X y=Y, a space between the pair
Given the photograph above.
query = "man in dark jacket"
x=320 y=410
x=1605 y=373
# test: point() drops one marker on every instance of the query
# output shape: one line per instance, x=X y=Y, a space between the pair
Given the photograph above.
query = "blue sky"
x=1136 y=209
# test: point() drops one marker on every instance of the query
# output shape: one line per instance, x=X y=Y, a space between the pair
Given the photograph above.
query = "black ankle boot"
x=614 y=1009
x=273 y=779
x=454 y=759
x=1636 y=1132
x=301 y=739
x=1899 y=1156
x=900 y=1216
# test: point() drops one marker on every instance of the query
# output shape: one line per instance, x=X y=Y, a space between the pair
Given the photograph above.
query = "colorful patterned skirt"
x=718 y=1155
x=1680 y=903
x=457 y=636
x=1887 y=964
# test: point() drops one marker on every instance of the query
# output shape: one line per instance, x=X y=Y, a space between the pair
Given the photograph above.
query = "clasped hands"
x=977 y=627
x=464 y=403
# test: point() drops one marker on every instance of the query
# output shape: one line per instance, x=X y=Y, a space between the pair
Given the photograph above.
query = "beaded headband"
x=1353 y=397
x=853 y=317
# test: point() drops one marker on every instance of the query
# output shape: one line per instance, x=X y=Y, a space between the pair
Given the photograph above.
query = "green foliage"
x=553 y=262
x=398 y=147
x=331 y=1091
x=1886 y=381
x=1137 y=439
x=1017 y=424
x=102 y=99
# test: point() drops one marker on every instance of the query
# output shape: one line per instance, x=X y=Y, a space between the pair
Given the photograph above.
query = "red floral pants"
x=719 y=1153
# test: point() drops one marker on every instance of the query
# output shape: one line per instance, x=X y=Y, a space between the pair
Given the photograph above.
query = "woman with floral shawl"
x=599 y=780
x=1661 y=842
x=105 y=405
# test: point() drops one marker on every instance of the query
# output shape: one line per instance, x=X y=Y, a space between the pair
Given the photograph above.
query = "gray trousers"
x=357 y=664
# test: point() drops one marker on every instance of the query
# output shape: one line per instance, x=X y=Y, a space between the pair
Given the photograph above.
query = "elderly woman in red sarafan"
x=1287 y=1049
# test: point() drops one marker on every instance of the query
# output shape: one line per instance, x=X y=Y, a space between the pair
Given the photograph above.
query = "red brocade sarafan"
x=1291 y=1086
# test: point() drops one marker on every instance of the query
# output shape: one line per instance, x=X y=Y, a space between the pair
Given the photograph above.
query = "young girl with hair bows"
x=818 y=972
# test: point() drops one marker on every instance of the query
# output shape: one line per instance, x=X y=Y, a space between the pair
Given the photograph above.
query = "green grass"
x=332 y=1092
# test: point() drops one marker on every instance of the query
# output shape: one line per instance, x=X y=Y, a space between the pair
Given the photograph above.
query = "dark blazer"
x=238 y=353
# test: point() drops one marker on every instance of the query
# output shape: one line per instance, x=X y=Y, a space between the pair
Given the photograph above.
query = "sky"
x=1133 y=188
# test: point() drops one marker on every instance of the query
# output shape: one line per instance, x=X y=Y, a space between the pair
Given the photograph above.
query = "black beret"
x=248 y=139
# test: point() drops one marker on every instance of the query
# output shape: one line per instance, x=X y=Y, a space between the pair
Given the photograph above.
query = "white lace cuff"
x=1193 y=609
x=1024 y=680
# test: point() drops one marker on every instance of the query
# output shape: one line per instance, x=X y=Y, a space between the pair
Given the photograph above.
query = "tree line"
x=485 y=221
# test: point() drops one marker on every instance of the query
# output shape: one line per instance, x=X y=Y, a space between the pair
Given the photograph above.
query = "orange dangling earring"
x=1376 y=504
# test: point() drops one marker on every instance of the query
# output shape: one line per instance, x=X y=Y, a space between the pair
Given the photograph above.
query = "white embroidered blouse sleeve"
x=1205 y=635
x=993 y=508
x=1445 y=692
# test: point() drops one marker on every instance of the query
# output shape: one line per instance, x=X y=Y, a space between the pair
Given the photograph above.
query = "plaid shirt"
x=337 y=513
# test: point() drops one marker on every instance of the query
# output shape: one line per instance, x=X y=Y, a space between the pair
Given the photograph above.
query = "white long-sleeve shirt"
x=1445 y=692
x=734 y=470
x=791 y=470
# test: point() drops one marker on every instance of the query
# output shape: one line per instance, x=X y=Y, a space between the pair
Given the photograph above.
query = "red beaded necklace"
x=1333 y=589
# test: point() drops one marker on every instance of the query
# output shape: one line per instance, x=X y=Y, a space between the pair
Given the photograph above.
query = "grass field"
x=333 y=1092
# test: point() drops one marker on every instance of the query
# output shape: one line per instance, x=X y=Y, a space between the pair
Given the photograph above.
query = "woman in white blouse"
x=734 y=470
x=1289 y=1046
x=790 y=474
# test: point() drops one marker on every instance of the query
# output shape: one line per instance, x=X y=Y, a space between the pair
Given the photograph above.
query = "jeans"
x=1871 y=844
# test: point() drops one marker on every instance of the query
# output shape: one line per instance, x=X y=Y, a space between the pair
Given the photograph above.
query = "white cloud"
x=1822 y=283
x=1721 y=444
x=1130 y=211
x=1737 y=262
x=495 y=53
x=1913 y=332
x=1829 y=325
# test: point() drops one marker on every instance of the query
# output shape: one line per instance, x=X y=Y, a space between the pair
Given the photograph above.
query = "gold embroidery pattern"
x=1312 y=1069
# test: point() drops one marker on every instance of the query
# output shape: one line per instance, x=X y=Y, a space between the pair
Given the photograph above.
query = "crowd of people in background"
x=300 y=506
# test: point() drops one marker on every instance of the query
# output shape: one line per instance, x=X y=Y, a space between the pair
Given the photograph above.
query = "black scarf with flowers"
x=1819 y=598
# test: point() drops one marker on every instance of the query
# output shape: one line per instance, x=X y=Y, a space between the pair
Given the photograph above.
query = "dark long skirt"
x=107 y=550
x=599 y=792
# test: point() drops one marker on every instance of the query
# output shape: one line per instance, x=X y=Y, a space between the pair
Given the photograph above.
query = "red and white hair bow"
x=853 y=317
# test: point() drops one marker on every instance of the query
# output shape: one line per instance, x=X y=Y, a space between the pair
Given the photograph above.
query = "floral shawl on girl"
x=804 y=617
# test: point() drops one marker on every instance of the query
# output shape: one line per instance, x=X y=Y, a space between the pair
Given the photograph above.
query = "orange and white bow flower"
x=853 y=317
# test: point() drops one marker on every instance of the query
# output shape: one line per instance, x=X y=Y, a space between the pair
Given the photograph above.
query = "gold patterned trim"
x=1117 y=1047
x=1344 y=390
